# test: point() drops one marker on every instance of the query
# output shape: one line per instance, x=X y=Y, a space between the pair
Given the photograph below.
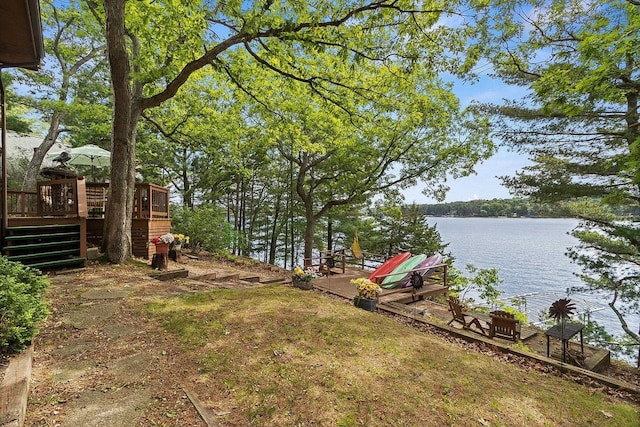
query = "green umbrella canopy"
x=87 y=155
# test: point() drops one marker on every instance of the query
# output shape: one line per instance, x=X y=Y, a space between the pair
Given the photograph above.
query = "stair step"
x=24 y=237
x=41 y=227
x=228 y=277
x=276 y=280
x=58 y=263
x=252 y=279
x=171 y=274
x=22 y=258
x=45 y=246
x=40 y=245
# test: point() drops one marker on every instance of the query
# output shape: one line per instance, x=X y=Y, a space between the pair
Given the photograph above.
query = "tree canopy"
x=70 y=94
x=155 y=47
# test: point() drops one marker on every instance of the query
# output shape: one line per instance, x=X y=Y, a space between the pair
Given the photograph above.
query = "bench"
x=408 y=295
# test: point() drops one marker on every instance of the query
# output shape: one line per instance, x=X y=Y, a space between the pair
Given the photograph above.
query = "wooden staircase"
x=45 y=246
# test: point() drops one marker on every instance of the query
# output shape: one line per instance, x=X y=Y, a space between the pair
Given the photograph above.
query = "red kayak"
x=388 y=266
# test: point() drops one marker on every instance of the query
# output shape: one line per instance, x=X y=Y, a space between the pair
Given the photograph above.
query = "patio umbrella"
x=87 y=155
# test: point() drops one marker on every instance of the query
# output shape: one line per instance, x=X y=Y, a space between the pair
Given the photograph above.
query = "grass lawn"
x=277 y=355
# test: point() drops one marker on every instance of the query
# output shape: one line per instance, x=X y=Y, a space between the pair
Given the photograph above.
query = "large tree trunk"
x=31 y=175
x=126 y=113
x=273 y=240
x=118 y=218
x=187 y=192
x=308 y=239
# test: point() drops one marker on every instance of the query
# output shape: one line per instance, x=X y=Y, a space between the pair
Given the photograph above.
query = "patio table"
x=565 y=334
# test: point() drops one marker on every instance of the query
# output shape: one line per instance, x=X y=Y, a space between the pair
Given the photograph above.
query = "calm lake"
x=529 y=254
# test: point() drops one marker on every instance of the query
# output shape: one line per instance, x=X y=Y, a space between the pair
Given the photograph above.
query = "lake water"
x=530 y=256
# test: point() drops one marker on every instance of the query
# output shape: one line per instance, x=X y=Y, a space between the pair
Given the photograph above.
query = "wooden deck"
x=142 y=230
x=72 y=202
x=339 y=284
x=150 y=216
x=46 y=245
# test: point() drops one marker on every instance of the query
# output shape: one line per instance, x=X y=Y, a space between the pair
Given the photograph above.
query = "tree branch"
x=244 y=37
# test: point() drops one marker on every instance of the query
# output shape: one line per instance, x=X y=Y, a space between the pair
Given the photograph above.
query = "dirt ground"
x=97 y=363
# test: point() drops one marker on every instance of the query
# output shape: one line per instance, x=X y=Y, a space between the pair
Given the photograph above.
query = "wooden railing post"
x=21 y=204
x=152 y=201
x=166 y=204
x=39 y=200
x=149 y=205
x=82 y=209
x=444 y=275
x=138 y=202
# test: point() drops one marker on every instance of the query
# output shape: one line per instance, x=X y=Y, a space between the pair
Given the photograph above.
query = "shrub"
x=22 y=304
x=206 y=226
x=484 y=282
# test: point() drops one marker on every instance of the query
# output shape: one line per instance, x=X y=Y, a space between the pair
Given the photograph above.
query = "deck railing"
x=369 y=260
x=66 y=197
x=22 y=203
x=96 y=199
x=327 y=261
x=150 y=201
x=438 y=274
x=61 y=197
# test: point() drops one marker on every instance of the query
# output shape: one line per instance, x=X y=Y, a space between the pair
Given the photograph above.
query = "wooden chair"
x=460 y=316
x=504 y=325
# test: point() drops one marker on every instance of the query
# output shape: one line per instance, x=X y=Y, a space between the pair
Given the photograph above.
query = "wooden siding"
x=142 y=230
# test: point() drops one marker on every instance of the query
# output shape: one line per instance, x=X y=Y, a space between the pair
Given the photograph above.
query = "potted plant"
x=179 y=240
x=367 y=293
x=162 y=243
x=303 y=278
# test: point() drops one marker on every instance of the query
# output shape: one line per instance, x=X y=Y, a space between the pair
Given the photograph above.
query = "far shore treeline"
x=517 y=207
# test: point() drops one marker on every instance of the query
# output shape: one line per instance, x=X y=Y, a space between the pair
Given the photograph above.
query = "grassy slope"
x=280 y=356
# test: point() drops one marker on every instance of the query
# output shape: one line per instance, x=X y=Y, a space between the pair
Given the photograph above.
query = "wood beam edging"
x=15 y=389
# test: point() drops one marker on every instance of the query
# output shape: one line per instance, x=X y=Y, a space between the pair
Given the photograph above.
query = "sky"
x=485 y=184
